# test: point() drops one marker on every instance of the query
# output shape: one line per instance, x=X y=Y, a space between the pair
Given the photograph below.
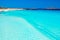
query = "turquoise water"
x=30 y=25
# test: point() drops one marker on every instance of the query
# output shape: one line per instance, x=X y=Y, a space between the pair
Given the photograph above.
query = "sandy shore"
x=10 y=9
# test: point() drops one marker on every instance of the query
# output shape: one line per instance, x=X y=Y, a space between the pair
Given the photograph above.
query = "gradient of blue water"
x=46 y=22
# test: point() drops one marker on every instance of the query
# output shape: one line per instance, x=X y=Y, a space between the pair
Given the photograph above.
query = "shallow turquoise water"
x=30 y=25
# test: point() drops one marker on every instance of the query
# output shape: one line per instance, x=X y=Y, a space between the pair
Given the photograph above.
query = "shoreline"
x=9 y=9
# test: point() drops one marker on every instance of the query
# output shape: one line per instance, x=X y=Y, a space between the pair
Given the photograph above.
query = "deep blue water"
x=36 y=24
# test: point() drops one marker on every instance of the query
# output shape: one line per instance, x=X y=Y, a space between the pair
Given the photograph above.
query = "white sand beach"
x=8 y=9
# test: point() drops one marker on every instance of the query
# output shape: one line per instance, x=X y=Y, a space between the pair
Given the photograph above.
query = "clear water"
x=30 y=25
